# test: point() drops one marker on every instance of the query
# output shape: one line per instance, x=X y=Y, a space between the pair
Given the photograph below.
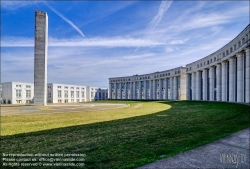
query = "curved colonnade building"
x=222 y=76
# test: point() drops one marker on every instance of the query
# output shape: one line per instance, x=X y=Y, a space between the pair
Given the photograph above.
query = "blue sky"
x=90 y=42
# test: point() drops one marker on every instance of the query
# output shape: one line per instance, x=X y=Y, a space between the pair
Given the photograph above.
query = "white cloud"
x=139 y=56
x=157 y=19
x=171 y=49
x=180 y=41
x=66 y=20
x=90 y=42
x=13 y=5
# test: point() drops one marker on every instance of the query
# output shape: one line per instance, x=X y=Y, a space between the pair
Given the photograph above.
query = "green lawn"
x=127 y=137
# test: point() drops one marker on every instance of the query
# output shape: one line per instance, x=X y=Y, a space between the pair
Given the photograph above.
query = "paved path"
x=229 y=152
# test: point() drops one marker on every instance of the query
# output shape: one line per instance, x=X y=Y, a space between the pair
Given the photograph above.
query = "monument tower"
x=40 y=61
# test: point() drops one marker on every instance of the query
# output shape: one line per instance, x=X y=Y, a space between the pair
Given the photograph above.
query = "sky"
x=91 y=41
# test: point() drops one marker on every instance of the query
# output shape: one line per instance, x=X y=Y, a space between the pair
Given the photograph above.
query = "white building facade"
x=23 y=93
x=17 y=93
x=164 y=85
x=223 y=75
x=63 y=93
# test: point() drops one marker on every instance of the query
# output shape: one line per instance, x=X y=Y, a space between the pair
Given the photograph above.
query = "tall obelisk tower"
x=40 y=63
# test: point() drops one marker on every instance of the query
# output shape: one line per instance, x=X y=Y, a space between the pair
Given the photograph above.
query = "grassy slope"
x=130 y=141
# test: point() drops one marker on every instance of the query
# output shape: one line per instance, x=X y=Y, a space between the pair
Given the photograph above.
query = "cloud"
x=13 y=5
x=90 y=42
x=66 y=20
x=177 y=42
x=139 y=56
x=157 y=19
x=171 y=49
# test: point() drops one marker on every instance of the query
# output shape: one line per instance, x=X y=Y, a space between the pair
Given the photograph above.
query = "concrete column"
x=198 y=85
x=166 y=89
x=193 y=86
x=218 y=82
x=154 y=89
x=110 y=90
x=232 y=79
x=40 y=58
x=131 y=90
x=150 y=90
x=140 y=90
x=115 y=93
x=240 y=85
x=120 y=91
x=145 y=90
x=204 y=78
x=134 y=91
x=171 y=88
x=187 y=86
x=224 y=82
x=211 y=87
x=175 y=88
x=126 y=92
x=247 y=75
x=160 y=89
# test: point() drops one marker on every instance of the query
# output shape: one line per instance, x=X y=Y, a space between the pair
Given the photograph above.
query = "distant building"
x=164 y=85
x=23 y=93
x=63 y=93
x=17 y=93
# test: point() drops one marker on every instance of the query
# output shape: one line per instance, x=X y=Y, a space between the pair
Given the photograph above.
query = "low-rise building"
x=23 y=93
x=63 y=93
x=17 y=93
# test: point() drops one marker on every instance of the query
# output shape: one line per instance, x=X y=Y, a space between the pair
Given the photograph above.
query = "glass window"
x=28 y=93
x=72 y=94
x=66 y=94
x=18 y=93
x=59 y=93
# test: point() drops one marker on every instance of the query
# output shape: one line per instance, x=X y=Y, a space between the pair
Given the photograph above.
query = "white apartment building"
x=164 y=85
x=223 y=75
x=63 y=93
x=23 y=93
x=17 y=93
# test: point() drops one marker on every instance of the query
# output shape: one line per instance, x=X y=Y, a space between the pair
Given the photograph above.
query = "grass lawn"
x=127 y=137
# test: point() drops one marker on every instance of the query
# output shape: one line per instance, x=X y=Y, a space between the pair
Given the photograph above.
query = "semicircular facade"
x=221 y=76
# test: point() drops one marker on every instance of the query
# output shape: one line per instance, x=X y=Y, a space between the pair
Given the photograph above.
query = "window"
x=28 y=87
x=77 y=88
x=243 y=40
x=92 y=94
x=83 y=94
x=65 y=87
x=49 y=94
x=18 y=93
x=77 y=94
x=66 y=94
x=28 y=93
x=71 y=87
x=59 y=93
x=18 y=85
x=72 y=94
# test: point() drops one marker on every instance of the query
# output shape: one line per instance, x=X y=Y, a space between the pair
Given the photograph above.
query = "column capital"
x=239 y=54
x=247 y=49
